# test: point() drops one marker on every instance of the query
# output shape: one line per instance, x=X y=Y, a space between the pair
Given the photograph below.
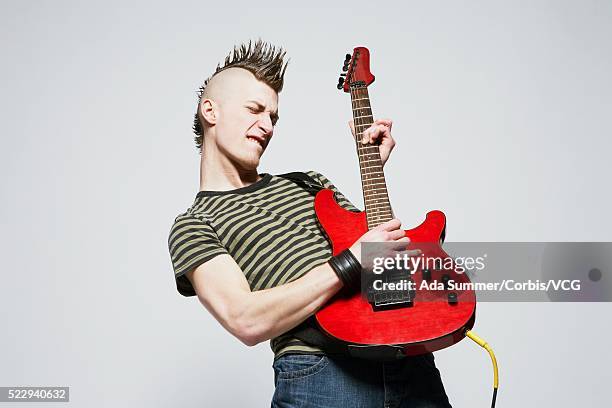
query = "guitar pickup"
x=392 y=299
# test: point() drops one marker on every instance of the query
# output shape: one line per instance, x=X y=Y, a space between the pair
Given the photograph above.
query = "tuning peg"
x=343 y=74
x=347 y=58
x=340 y=86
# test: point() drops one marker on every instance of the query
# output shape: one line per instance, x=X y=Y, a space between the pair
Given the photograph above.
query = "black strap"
x=303 y=180
x=308 y=331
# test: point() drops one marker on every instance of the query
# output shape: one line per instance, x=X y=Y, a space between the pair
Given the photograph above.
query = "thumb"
x=352 y=126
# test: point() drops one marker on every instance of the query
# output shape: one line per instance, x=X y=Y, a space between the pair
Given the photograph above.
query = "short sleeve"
x=191 y=242
x=340 y=198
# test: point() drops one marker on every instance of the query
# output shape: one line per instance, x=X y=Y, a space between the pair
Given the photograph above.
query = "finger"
x=365 y=136
x=397 y=246
x=397 y=234
x=370 y=134
x=390 y=225
x=412 y=252
x=386 y=122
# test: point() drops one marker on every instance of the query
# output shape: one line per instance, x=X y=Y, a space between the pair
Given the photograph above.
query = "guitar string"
x=379 y=213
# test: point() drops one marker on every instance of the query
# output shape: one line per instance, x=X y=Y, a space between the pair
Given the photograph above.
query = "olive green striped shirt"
x=269 y=228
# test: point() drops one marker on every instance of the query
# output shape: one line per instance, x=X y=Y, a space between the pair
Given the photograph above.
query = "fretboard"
x=375 y=196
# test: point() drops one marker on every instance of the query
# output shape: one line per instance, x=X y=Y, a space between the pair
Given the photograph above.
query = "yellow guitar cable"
x=486 y=346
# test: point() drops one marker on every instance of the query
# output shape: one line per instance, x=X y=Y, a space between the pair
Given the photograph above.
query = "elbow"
x=249 y=340
x=239 y=319
x=248 y=330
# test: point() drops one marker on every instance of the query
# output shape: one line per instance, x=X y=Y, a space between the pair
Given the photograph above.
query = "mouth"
x=259 y=140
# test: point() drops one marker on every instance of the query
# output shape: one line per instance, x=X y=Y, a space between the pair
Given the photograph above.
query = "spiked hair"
x=261 y=59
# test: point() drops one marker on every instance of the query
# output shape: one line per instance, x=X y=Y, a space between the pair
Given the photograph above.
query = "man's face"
x=246 y=112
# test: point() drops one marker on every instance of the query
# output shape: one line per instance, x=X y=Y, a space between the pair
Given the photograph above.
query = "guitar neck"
x=373 y=184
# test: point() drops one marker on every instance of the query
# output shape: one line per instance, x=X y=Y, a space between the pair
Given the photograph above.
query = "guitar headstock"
x=356 y=70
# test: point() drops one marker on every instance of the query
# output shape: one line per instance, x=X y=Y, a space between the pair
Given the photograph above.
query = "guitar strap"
x=303 y=180
x=307 y=331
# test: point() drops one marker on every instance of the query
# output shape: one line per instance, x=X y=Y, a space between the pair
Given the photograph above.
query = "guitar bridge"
x=401 y=296
x=392 y=300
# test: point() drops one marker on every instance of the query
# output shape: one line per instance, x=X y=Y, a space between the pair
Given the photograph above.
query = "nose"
x=265 y=123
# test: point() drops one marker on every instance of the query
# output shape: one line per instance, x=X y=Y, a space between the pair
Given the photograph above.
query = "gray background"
x=502 y=118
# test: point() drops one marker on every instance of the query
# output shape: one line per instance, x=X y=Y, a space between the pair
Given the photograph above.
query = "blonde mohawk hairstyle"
x=262 y=59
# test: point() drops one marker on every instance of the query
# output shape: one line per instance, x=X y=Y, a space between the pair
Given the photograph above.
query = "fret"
x=377 y=201
x=368 y=167
x=377 y=205
x=377 y=160
x=370 y=196
x=381 y=209
x=381 y=219
x=374 y=212
x=379 y=183
x=359 y=117
x=368 y=179
x=361 y=99
x=377 y=216
x=371 y=188
x=377 y=194
x=372 y=177
x=378 y=213
x=363 y=153
x=367 y=171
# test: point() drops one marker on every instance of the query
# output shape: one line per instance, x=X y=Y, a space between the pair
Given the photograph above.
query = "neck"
x=218 y=173
x=375 y=196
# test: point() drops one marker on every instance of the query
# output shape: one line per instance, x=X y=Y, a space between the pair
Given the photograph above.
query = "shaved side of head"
x=226 y=83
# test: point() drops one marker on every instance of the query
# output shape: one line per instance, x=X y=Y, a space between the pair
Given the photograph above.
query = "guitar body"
x=430 y=323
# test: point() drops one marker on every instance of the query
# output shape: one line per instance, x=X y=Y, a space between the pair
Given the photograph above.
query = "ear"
x=208 y=110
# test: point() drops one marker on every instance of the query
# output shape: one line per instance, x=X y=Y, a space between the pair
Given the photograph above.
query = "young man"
x=252 y=251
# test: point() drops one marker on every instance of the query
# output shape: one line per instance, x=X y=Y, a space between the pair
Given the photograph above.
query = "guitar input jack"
x=486 y=346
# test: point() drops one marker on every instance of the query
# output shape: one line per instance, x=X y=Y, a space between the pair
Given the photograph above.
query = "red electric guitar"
x=421 y=321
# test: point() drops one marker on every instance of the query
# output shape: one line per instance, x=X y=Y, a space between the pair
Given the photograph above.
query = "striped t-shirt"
x=269 y=228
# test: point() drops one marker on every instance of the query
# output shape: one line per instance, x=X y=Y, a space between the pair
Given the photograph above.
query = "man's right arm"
x=257 y=316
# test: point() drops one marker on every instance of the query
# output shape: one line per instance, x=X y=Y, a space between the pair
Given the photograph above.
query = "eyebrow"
x=273 y=115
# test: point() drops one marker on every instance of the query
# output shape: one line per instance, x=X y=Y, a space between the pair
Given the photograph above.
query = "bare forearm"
x=270 y=312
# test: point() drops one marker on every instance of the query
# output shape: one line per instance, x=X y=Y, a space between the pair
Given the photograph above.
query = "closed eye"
x=260 y=108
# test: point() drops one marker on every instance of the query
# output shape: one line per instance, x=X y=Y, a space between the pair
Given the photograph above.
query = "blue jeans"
x=313 y=381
